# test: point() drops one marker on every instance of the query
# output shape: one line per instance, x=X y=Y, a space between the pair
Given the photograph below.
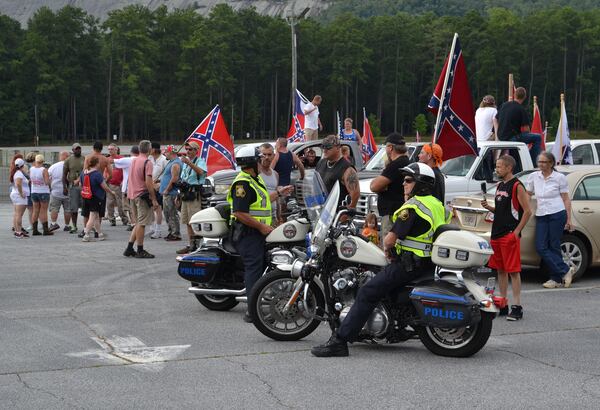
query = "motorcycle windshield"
x=325 y=220
x=314 y=193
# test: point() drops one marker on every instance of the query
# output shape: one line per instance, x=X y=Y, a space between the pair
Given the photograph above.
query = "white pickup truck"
x=464 y=174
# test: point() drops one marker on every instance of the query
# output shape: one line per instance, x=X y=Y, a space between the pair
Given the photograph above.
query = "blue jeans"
x=548 y=231
x=535 y=140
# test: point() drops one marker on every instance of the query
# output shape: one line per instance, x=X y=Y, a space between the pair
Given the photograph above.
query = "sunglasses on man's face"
x=190 y=149
x=409 y=180
x=328 y=147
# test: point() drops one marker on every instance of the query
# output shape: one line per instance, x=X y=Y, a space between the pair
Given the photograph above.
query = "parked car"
x=580 y=248
x=585 y=152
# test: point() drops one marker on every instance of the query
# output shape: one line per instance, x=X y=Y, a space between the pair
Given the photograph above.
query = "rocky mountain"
x=22 y=10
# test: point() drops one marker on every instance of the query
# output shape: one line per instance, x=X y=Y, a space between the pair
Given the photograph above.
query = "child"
x=370 y=229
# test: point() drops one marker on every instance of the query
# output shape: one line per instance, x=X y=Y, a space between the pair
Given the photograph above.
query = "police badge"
x=240 y=192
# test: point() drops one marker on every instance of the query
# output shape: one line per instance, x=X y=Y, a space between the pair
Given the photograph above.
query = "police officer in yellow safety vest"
x=250 y=204
x=407 y=245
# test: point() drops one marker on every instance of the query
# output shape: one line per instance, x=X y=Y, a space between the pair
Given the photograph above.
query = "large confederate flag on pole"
x=453 y=104
x=216 y=147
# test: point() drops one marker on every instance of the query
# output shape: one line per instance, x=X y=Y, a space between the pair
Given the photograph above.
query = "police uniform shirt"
x=409 y=223
x=243 y=195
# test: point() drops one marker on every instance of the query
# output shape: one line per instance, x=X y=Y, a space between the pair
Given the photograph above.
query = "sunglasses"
x=409 y=180
x=190 y=149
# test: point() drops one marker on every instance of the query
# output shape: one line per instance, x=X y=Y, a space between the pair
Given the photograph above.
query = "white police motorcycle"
x=449 y=311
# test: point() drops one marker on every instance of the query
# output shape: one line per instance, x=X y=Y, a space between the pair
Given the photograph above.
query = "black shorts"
x=94 y=204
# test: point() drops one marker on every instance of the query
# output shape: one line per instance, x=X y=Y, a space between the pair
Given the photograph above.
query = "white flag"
x=562 y=145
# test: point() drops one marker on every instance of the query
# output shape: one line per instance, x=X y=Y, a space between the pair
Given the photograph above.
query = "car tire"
x=575 y=253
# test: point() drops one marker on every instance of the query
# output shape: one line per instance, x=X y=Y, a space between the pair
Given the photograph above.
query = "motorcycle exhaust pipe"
x=217 y=292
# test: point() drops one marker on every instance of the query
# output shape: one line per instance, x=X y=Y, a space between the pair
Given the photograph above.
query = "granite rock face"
x=22 y=10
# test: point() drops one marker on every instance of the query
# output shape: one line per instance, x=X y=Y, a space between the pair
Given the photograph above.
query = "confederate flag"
x=296 y=131
x=368 y=141
x=453 y=104
x=216 y=147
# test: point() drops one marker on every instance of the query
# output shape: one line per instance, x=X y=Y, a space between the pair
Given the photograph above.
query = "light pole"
x=292 y=21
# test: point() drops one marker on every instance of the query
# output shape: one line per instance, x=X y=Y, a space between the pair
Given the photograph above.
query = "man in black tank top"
x=333 y=167
x=511 y=212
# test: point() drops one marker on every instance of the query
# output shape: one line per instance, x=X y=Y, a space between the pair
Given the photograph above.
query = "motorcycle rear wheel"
x=270 y=294
x=459 y=342
x=218 y=303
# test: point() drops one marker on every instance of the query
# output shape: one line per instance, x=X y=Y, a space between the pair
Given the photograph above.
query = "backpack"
x=86 y=189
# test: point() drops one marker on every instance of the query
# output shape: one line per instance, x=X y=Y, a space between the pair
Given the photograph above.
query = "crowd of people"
x=152 y=184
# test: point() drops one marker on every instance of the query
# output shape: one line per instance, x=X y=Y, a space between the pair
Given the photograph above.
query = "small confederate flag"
x=215 y=143
x=296 y=131
x=536 y=125
x=368 y=141
x=455 y=125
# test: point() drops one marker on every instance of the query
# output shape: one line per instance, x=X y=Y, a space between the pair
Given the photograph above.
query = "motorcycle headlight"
x=222 y=189
x=297 y=268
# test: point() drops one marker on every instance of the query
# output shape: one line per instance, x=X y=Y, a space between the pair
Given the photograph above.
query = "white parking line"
x=560 y=289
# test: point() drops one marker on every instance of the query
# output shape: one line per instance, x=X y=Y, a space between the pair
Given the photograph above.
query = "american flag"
x=455 y=126
x=296 y=131
x=368 y=141
x=340 y=128
x=216 y=147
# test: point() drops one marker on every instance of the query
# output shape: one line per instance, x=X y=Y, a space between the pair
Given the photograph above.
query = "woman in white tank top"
x=40 y=195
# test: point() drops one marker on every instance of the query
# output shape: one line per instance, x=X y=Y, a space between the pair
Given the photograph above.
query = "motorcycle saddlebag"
x=200 y=267
x=445 y=304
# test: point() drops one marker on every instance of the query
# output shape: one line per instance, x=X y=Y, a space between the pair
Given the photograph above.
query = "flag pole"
x=560 y=126
x=443 y=93
x=511 y=87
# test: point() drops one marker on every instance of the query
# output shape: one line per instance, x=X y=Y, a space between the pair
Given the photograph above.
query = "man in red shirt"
x=114 y=184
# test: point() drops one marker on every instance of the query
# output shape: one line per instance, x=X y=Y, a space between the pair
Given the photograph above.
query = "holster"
x=237 y=230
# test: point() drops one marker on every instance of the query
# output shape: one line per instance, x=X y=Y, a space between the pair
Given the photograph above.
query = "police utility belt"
x=409 y=261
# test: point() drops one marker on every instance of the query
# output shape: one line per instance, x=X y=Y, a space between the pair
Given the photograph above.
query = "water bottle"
x=491 y=285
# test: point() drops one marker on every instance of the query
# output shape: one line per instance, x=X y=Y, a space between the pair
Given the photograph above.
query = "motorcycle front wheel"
x=459 y=342
x=270 y=295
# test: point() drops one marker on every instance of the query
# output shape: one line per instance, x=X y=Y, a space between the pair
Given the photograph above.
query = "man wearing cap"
x=333 y=167
x=159 y=161
x=168 y=190
x=72 y=168
x=389 y=185
x=114 y=184
x=432 y=154
x=193 y=174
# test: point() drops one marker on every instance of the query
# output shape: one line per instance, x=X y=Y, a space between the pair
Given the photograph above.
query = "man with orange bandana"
x=432 y=155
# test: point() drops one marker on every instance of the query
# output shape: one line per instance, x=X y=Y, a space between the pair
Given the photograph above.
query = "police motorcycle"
x=216 y=271
x=450 y=312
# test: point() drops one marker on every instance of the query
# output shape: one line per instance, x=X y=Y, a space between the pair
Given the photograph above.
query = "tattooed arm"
x=352 y=185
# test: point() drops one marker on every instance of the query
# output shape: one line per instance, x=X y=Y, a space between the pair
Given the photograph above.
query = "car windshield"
x=377 y=161
x=458 y=166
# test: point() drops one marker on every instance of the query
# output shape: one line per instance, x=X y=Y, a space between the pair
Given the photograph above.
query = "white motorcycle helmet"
x=423 y=175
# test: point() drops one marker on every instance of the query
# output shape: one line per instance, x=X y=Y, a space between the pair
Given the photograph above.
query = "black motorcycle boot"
x=335 y=347
x=35 y=231
x=46 y=229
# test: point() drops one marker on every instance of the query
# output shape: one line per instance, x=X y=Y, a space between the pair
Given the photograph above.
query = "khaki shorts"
x=56 y=202
x=145 y=214
x=386 y=226
x=311 y=134
x=188 y=209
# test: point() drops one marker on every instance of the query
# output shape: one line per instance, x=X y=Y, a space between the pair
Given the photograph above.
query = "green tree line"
x=156 y=74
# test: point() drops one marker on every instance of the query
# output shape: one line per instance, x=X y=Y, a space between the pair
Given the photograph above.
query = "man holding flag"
x=513 y=124
x=312 y=122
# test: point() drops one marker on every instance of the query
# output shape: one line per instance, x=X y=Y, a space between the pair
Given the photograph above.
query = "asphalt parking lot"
x=81 y=326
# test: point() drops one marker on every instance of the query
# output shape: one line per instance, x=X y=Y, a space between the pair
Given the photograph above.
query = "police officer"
x=251 y=215
x=407 y=245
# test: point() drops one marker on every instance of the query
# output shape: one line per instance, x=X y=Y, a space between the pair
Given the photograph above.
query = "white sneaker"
x=156 y=235
x=568 y=278
x=101 y=236
x=551 y=284
x=85 y=238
